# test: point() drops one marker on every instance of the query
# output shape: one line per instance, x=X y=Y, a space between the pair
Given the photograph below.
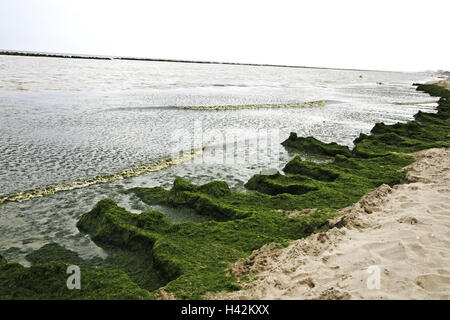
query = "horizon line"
x=45 y=54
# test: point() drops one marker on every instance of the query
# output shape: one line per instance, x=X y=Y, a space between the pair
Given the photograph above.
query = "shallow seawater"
x=65 y=121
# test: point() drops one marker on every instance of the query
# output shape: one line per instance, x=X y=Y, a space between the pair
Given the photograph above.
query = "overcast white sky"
x=386 y=35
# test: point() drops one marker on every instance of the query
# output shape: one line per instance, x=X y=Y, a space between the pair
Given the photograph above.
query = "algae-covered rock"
x=195 y=257
x=436 y=118
x=47 y=278
x=216 y=189
x=49 y=281
x=2 y=260
x=412 y=130
x=429 y=130
x=380 y=170
x=276 y=184
x=310 y=144
x=216 y=200
x=384 y=144
x=210 y=199
x=332 y=185
x=155 y=195
x=205 y=200
x=399 y=138
x=434 y=90
x=310 y=169
x=137 y=264
x=100 y=224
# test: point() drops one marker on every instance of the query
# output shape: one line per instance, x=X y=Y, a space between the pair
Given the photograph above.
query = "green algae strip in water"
x=254 y=106
x=127 y=173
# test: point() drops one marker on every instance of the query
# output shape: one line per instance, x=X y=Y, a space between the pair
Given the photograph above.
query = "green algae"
x=47 y=278
x=434 y=90
x=384 y=144
x=53 y=252
x=104 y=224
x=49 y=281
x=334 y=185
x=155 y=195
x=2 y=260
x=402 y=137
x=137 y=264
x=312 y=145
x=426 y=131
x=310 y=169
x=195 y=257
x=278 y=184
x=235 y=205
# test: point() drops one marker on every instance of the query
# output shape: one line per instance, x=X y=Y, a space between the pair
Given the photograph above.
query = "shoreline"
x=442 y=83
x=194 y=259
x=401 y=230
x=405 y=235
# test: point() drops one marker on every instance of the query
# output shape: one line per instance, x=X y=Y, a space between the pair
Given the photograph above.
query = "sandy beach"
x=400 y=232
x=443 y=83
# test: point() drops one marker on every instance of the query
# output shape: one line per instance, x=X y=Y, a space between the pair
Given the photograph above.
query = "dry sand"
x=443 y=83
x=403 y=231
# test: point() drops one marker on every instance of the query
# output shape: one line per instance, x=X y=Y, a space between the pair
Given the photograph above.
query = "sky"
x=380 y=35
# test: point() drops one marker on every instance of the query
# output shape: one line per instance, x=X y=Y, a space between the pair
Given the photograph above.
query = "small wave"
x=418 y=102
x=226 y=85
x=254 y=106
x=78 y=184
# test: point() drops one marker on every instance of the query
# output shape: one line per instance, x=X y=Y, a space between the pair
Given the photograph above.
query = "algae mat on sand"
x=194 y=258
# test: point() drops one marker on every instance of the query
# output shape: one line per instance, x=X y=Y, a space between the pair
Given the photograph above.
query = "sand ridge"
x=401 y=233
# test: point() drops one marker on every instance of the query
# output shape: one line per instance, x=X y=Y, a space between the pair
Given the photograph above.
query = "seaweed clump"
x=215 y=199
x=278 y=184
x=124 y=274
x=137 y=264
x=333 y=185
x=194 y=257
x=53 y=252
x=312 y=145
x=428 y=130
x=47 y=280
